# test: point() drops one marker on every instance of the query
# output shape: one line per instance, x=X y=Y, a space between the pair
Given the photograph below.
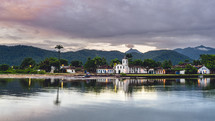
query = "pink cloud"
x=19 y=10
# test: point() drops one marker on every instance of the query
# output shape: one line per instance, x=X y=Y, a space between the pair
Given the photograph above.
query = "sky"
x=108 y=24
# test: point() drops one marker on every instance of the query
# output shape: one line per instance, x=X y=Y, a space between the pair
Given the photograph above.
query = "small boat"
x=87 y=75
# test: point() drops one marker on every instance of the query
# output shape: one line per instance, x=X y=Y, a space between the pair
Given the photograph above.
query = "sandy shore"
x=47 y=76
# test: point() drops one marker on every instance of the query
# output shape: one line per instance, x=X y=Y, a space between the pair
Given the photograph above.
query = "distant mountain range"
x=195 y=52
x=131 y=50
x=13 y=55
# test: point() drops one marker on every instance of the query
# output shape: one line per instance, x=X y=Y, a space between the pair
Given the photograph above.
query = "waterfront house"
x=137 y=70
x=203 y=70
x=151 y=71
x=160 y=71
x=105 y=70
x=180 y=72
x=69 y=69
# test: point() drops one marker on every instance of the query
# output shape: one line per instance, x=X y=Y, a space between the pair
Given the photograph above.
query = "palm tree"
x=59 y=47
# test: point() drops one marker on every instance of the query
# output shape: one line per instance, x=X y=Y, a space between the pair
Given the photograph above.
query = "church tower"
x=125 y=62
x=125 y=65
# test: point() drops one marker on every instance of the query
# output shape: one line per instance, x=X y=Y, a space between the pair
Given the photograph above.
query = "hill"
x=132 y=51
x=195 y=52
x=13 y=55
x=161 y=55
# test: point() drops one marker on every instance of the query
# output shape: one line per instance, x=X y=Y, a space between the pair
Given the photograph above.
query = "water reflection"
x=105 y=97
x=26 y=87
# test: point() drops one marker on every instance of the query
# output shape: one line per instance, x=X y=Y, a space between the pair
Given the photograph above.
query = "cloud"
x=129 y=45
x=152 y=23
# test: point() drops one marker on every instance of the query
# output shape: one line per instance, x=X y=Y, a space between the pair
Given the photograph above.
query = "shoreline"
x=96 y=76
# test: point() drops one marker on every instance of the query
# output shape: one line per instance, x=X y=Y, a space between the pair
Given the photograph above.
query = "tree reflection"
x=57 y=101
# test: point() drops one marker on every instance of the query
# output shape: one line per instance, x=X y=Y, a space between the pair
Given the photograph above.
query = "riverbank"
x=56 y=76
x=95 y=76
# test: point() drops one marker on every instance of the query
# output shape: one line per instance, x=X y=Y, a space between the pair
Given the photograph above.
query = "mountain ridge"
x=195 y=52
x=13 y=55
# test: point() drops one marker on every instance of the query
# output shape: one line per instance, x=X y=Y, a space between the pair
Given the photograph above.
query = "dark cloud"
x=159 y=23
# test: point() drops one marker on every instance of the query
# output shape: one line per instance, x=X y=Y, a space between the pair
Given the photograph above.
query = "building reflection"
x=28 y=87
x=204 y=82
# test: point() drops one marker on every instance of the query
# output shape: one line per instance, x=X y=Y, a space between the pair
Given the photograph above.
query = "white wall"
x=70 y=70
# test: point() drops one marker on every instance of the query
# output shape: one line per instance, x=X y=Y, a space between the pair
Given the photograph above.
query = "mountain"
x=13 y=55
x=161 y=55
x=195 y=52
x=132 y=51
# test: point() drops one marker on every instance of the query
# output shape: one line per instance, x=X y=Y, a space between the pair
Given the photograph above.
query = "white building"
x=69 y=69
x=125 y=68
x=105 y=70
x=137 y=69
x=203 y=70
x=122 y=68
x=180 y=72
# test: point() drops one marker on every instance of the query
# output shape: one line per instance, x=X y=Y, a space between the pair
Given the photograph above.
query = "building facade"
x=203 y=70
x=105 y=70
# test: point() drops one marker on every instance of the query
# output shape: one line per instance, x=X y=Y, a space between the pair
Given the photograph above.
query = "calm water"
x=107 y=100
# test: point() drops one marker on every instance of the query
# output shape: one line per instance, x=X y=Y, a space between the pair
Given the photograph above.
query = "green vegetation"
x=114 y=62
x=4 y=67
x=190 y=69
x=47 y=63
x=76 y=63
x=152 y=59
x=167 y=64
x=27 y=62
x=208 y=61
x=92 y=64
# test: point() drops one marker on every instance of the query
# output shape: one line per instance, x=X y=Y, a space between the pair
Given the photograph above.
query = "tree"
x=27 y=62
x=4 y=67
x=197 y=62
x=208 y=61
x=128 y=55
x=59 y=47
x=180 y=63
x=187 y=61
x=90 y=65
x=137 y=62
x=167 y=64
x=47 y=63
x=190 y=69
x=64 y=62
x=113 y=62
x=150 y=63
x=76 y=63
x=100 y=61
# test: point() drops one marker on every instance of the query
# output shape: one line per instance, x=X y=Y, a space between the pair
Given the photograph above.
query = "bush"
x=123 y=74
x=4 y=67
x=41 y=72
x=20 y=71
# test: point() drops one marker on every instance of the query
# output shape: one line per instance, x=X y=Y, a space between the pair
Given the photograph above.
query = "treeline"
x=92 y=64
x=29 y=65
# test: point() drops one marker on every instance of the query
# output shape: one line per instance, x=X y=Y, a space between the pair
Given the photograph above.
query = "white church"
x=125 y=68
